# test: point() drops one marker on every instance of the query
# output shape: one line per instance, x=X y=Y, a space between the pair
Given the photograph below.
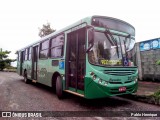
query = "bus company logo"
x=6 y=114
x=43 y=72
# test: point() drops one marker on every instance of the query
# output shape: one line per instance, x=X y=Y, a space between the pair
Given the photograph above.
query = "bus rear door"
x=34 y=62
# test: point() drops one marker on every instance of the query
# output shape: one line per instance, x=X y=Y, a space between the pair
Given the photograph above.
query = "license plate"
x=122 y=89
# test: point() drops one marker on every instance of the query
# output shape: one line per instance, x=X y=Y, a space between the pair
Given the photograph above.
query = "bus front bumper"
x=94 y=90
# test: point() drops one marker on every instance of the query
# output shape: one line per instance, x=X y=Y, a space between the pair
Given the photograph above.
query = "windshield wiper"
x=89 y=48
x=112 y=40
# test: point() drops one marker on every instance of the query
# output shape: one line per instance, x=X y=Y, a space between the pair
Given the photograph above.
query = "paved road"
x=15 y=95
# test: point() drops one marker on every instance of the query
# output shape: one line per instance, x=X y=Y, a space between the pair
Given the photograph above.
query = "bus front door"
x=75 y=60
x=34 y=62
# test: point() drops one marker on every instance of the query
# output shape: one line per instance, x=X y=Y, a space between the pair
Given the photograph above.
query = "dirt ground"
x=15 y=95
x=147 y=88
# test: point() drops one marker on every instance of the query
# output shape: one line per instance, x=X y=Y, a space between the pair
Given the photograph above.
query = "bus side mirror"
x=90 y=39
x=90 y=35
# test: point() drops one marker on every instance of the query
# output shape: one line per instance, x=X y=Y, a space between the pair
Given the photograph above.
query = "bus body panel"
x=46 y=71
x=94 y=89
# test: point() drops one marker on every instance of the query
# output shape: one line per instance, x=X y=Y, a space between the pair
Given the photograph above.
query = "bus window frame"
x=26 y=54
x=29 y=53
x=50 y=46
x=40 y=49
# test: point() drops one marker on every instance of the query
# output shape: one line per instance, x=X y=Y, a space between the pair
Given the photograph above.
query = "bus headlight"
x=94 y=77
x=91 y=73
x=136 y=80
x=105 y=83
x=99 y=81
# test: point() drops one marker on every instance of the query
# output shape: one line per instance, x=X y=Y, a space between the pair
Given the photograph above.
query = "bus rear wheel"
x=59 y=89
x=25 y=77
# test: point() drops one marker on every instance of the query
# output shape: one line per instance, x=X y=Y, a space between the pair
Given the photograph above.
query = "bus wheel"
x=59 y=89
x=153 y=79
x=25 y=77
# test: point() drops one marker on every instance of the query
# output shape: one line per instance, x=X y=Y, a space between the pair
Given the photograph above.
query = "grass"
x=157 y=94
x=10 y=69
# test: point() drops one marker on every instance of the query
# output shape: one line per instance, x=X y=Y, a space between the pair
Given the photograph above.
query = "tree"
x=45 y=30
x=4 y=60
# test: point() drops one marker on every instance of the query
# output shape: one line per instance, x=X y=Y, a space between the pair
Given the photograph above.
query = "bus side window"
x=26 y=51
x=44 y=49
x=57 y=46
x=18 y=57
x=29 y=53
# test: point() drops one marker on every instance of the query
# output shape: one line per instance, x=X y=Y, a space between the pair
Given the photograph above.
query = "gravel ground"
x=15 y=95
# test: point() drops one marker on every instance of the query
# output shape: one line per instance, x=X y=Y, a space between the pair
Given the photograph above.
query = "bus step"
x=34 y=81
x=75 y=93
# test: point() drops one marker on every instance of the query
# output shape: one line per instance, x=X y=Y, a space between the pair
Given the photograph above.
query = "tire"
x=153 y=80
x=59 y=88
x=25 y=77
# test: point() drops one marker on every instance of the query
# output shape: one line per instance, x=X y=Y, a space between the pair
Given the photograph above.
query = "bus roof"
x=86 y=20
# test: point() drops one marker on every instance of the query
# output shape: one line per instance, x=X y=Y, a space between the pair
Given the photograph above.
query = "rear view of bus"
x=110 y=67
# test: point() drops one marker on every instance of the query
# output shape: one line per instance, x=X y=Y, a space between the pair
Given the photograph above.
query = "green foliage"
x=158 y=62
x=45 y=30
x=4 y=60
x=157 y=93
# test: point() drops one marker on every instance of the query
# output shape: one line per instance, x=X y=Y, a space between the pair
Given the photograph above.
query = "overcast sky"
x=20 y=19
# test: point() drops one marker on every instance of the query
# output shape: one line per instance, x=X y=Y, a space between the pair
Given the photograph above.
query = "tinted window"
x=57 y=45
x=45 y=45
x=18 y=58
x=29 y=53
x=114 y=24
x=44 y=49
x=26 y=54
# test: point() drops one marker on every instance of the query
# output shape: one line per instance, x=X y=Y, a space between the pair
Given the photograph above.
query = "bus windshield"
x=111 y=50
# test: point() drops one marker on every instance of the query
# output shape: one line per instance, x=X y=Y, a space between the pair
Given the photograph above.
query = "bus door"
x=75 y=60
x=21 y=62
x=34 y=62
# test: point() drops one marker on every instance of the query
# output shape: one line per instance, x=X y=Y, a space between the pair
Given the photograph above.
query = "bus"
x=92 y=58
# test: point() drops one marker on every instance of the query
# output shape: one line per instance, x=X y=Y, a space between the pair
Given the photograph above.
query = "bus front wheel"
x=59 y=89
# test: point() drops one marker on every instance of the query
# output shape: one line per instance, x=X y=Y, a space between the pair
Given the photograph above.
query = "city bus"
x=92 y=58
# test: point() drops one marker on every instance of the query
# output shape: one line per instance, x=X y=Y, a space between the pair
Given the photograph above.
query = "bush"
x=158 y=62
x=157 y=94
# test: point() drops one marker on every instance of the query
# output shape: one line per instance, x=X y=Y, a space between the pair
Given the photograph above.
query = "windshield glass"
x=110 y=50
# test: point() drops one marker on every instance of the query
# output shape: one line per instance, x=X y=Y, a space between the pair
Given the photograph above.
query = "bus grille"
x=120 y=72
x=119 y=82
